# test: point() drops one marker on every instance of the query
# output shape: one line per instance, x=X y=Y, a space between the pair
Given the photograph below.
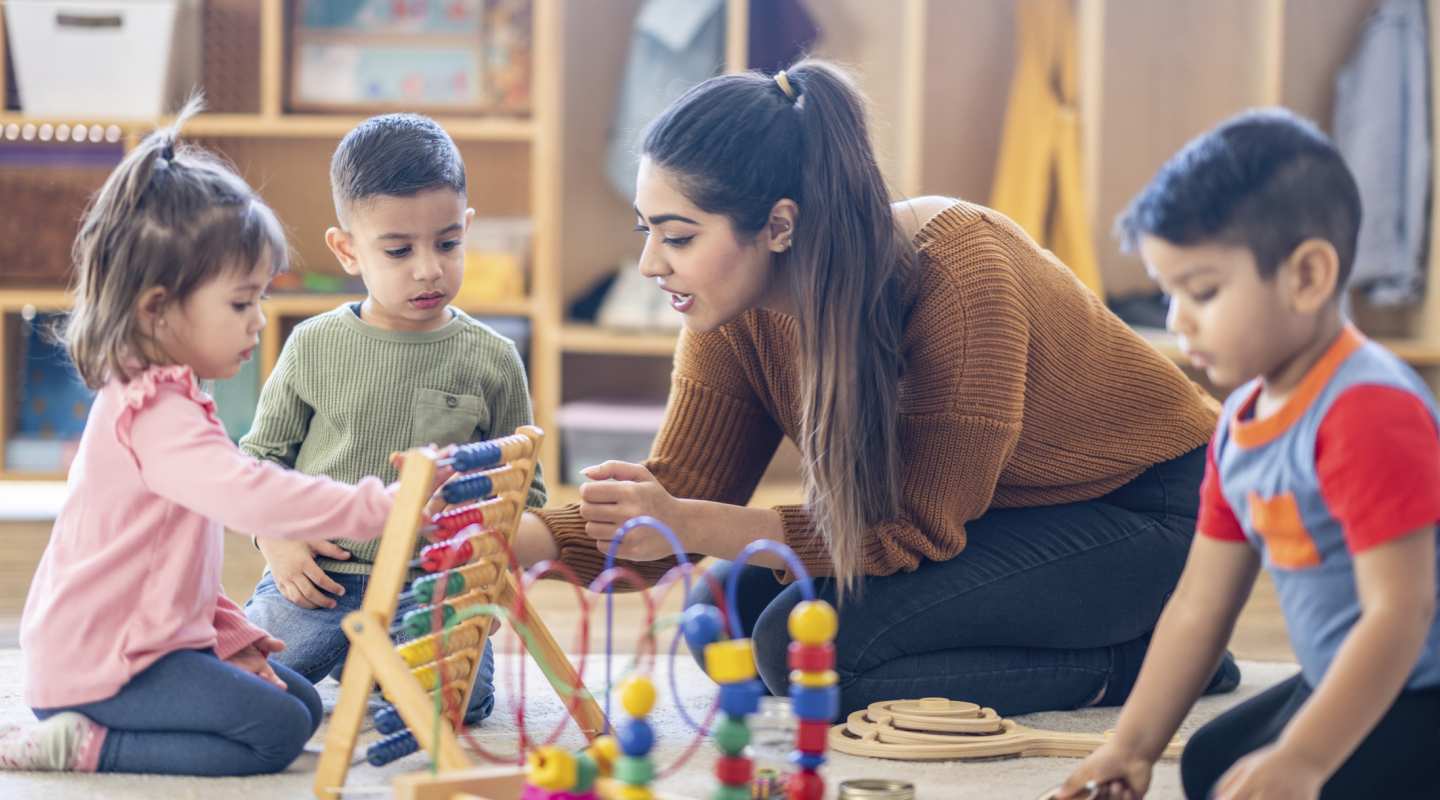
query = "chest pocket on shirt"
x=1277 y=519
x=444 y=418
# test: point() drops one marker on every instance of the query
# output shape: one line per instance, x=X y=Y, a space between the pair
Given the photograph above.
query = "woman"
x=1001 y=477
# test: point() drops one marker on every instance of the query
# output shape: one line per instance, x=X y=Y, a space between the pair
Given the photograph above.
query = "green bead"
x=635 y=771
x=731 y=736
x=730 y=793
x=586 y=771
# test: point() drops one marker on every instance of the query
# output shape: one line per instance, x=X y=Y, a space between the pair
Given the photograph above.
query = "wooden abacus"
x=472 y=568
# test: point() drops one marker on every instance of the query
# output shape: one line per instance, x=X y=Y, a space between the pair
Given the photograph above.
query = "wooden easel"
x=374 y=658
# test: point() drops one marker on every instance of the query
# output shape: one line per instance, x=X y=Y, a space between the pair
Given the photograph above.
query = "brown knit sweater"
x=1020 y=388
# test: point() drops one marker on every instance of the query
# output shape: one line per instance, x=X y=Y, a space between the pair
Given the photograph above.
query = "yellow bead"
x=604 y=750
x=814 y=680
x=637 y=696
x=730 y=661
x=552 y=768
x=627 y=792
x=813 y=622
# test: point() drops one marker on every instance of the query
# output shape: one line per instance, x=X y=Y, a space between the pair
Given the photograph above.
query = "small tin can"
x=872 y=789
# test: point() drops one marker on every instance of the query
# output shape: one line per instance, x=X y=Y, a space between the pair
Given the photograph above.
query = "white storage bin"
x=98 y=59
x=595 y=432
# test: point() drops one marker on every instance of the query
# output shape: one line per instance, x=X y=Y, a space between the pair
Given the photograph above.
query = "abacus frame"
x=372 y=658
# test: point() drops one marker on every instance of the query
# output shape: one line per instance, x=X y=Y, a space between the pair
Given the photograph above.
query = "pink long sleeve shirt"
x=132 y=570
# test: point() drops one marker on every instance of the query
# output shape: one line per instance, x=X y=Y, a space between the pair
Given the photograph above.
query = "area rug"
x=994 y=778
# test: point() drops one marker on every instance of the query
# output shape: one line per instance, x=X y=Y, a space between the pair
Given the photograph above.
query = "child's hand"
x=296 y=574
x=1272 y=773
x=255 y=659
x=443 y=475
x=1114 y=770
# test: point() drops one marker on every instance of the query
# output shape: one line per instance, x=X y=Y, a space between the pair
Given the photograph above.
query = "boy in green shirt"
x=399 y=369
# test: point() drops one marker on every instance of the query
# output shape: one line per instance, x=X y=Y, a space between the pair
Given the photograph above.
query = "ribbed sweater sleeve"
x=714 y=444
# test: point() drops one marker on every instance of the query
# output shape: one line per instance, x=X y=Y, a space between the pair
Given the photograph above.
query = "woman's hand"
x=618 y=491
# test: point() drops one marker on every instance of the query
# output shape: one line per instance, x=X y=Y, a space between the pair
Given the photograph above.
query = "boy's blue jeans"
x=192 y=714
x=315 y=645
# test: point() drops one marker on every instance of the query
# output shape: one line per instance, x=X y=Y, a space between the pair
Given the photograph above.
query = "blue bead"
x=387 y=720
x=476 y=456
x=470 y=487
x=741 y=699
x=702 y=625
x=635 y=737
x=809 y=762
x=391 y=748
x=815 y=704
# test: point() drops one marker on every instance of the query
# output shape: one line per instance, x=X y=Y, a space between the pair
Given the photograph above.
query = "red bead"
x=812 y=657
x=805 y=786
x=455 y=519
x=810 y=737
x=734 y=770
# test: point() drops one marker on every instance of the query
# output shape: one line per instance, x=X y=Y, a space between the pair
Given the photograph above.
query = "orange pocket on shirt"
x=1277 y=520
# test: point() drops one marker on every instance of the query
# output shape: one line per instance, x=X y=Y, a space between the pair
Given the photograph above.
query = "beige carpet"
x=995 y=778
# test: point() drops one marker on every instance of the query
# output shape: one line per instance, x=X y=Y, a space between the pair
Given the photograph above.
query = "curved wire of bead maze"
x=473 y=577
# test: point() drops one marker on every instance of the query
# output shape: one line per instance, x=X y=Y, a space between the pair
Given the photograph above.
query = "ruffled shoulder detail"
x=143 y=387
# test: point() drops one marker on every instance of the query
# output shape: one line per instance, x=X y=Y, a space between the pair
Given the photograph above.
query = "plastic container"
x=593 y=432
x=772 y=738
x=98 y=59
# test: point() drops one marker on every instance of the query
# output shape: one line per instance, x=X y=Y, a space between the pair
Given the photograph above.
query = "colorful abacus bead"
x=391 y=748
x=477 y=455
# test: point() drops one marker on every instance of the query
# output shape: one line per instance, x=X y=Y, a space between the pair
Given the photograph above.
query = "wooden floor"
x=1260 y=635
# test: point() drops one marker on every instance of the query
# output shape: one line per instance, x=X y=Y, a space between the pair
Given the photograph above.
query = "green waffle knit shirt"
x=345 y=395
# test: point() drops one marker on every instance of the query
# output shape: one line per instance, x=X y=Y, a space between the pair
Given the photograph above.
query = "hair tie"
x=783 y=81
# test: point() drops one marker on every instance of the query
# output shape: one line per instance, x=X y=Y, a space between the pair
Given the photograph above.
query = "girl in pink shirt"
x=136 y=661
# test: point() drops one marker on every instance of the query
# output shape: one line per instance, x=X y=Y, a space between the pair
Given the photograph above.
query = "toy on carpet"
x=472 y=578
x=936 y=729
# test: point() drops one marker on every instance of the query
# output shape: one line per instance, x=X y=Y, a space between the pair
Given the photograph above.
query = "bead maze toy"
x=936 y=729
x=428 y=679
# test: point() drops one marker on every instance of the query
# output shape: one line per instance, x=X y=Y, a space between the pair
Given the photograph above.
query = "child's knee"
x=1203 y=762
x=286 y=732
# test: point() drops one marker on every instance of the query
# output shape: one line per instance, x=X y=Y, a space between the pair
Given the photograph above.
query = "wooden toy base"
x=486 y=783
x=935 y=729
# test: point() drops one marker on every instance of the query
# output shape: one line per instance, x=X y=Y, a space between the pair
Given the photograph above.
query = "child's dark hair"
x=736 y=145
x=394 y=155
x=170 y=216
x=1265 y=179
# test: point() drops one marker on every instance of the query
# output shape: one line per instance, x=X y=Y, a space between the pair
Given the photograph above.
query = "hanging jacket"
x=1382 y=127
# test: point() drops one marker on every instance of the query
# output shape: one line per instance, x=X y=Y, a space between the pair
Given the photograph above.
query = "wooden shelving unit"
x=512 y=160
x=286 y=126
x=937 y=74
x=591 y=339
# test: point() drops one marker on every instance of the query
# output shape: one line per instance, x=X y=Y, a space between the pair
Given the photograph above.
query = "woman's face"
x=712 y=272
